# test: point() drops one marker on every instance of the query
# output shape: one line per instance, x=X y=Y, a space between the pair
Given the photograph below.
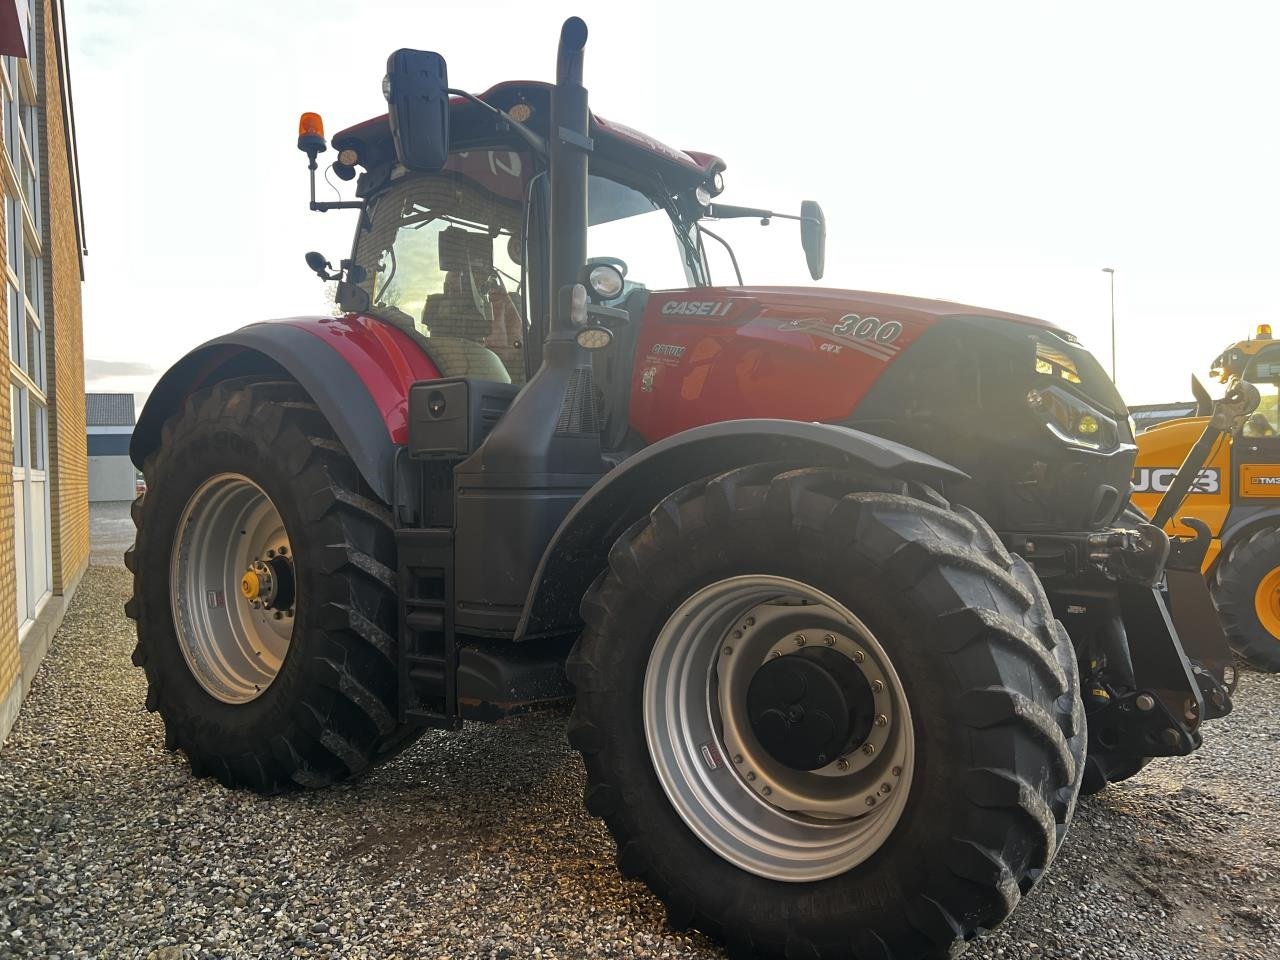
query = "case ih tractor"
x=825 y=572
x=1235 y=494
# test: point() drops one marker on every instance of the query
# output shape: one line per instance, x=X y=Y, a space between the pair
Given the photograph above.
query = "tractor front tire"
x=911 y=840
x=1246 y=591
x=264 y=593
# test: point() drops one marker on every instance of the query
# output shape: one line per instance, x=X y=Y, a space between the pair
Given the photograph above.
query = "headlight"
x=1072 y=420
x=605 y=280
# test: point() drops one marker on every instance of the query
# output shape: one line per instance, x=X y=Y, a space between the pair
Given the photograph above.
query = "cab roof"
x=614 y=141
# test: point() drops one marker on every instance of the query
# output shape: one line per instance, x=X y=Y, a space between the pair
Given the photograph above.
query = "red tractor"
x=844 y=585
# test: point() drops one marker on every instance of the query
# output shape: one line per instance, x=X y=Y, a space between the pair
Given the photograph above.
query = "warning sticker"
x=216 y=599
x=711 y=755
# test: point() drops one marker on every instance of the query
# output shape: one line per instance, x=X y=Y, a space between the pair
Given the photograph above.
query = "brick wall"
x=68 y=458
x=64 y=386
x=9 y=660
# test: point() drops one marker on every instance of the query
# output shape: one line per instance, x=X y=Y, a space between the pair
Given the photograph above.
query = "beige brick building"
x=44 y=511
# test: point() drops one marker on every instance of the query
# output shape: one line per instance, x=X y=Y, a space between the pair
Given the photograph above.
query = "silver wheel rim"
x=234 y=644
x=769 y=819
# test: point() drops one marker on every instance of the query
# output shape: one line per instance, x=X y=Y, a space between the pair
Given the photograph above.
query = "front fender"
x=579 y=548
x=358 y=370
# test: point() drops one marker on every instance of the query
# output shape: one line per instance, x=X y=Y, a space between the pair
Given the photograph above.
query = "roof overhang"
x=13 y=32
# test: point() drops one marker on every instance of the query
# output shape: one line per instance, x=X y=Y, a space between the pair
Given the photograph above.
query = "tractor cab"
x=458 y=257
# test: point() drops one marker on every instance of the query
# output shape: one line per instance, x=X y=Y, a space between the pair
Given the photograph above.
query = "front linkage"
x=1155 y=662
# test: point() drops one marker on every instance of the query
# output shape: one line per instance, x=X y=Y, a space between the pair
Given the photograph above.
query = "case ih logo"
x=1157 y=480
x=696 y=308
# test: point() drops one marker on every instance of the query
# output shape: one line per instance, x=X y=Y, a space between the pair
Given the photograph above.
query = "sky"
x=997 y=154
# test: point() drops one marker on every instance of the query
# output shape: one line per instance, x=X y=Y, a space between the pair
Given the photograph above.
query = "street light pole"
x=1112 y=271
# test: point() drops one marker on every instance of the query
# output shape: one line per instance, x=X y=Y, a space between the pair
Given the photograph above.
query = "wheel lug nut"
x=869 y=749
x=776 y=654
x=871 y=801
x=283 y=551
x=270 y=554
x=737 y=758
x=897 y=771
x=882 y=721
x=829 y=640
x=750 y=621
x=728 y=650
x=876 y=686
x=750 y=775
x=859 y=656
x=885 y=788
x=800 y=640
x=766 y=791
x=842 y=763
x=279 y=615
x=737 y=634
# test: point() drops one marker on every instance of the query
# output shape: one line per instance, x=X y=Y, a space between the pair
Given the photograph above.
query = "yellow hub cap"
x=1266 y=601
x=250 y=586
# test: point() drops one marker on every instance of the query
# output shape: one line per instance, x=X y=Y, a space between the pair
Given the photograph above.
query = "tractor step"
x=428 y=648
x=441 y=680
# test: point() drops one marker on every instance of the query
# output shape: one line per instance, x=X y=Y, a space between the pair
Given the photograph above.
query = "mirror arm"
x=536 y=142
x=723 y=211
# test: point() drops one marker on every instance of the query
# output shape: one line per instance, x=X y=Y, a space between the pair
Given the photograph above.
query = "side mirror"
x=813 y=237
x=417 y=91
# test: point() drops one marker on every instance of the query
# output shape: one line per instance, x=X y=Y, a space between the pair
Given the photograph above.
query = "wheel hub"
x=268 y=584
x=810 y=708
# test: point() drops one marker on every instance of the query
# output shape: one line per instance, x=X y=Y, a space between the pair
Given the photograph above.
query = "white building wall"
x=111 y=478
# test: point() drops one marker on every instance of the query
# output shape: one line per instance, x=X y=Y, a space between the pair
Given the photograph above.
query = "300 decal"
x=1158 y=479
x=868 y=328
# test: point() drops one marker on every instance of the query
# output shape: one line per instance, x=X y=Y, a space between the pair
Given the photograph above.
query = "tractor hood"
x=977 y=388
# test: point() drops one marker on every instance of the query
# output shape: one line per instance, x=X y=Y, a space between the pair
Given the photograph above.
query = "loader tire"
x=300 y=692
x=1246 y=591
x=983 y=730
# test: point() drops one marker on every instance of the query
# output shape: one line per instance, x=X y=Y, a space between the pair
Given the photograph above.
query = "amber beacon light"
x=311 y=134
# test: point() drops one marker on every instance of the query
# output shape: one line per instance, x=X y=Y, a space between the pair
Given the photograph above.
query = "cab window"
x=1263 y=371
x=443 y=259
x=627 y=225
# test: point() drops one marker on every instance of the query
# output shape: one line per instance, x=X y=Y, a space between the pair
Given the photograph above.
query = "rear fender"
x=357 y=370
x=579 y=548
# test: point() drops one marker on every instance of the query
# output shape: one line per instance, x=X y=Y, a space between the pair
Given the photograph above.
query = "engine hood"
x=916 y=310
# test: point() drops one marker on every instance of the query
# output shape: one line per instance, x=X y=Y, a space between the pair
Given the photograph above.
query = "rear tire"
x=988 y=675
x=1246 y=591
x=326 y=710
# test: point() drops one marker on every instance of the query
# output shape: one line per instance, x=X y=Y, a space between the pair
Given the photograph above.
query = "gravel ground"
x=110 y=531
x=475 y=844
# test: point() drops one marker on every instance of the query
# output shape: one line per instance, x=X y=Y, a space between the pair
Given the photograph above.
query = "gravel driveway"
x=475 y=844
